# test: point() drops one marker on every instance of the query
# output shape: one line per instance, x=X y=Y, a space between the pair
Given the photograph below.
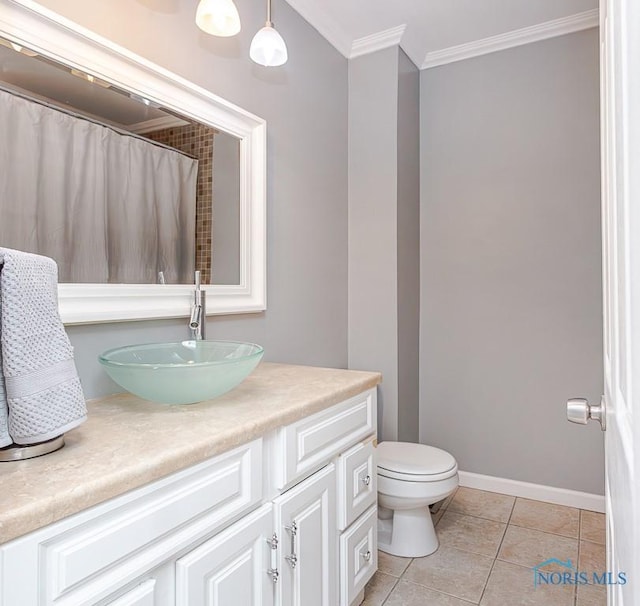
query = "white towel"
x=5 y=438
x=42 y=390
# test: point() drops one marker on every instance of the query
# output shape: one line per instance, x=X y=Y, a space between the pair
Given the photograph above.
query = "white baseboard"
x=537 y=492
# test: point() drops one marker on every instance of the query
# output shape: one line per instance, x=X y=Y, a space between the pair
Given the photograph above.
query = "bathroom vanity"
x=265 y=496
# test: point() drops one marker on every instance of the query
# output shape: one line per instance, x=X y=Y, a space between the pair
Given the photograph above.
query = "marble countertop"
x=128 y=442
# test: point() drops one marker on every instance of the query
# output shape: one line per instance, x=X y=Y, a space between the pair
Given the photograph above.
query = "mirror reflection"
x=114 y=188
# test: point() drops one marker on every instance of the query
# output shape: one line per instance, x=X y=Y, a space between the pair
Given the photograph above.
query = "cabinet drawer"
x=90 y=560
x=312 y=442
x=358 y=556
x=357 y=483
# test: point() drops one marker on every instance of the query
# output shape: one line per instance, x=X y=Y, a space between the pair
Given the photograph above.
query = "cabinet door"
x=231 y=568
x=306 y=523
x=142 y=595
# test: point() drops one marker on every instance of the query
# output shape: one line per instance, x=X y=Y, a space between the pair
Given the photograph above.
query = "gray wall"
x=383 y=232
x=373 y=187
x=305 y=105
x=408 y=248
x=511 y=261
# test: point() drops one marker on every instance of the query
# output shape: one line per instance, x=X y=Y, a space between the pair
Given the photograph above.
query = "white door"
x=308 y=549
x=620 y=74
x=232 y=568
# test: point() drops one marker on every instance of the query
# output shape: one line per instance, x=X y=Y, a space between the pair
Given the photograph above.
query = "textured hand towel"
x=43 y=393
x=5 y=438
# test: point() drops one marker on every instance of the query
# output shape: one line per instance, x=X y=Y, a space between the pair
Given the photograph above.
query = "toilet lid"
x=413 y=459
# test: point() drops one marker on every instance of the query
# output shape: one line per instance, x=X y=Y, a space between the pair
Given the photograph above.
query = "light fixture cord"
x=269 y=23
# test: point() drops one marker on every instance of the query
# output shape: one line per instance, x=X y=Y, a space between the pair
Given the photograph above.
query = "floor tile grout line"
x=555 y=534
x=391 y=590
x=486 y=583
x=466 y=515
x=495 y=559
x=512 y=510
x=463 y=513
x=475 y=553
x=580 y=525
x=450 y=595
x=558 y=536
x=514 y=564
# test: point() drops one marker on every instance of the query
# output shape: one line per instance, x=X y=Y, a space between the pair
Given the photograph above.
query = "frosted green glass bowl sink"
x=181 y=373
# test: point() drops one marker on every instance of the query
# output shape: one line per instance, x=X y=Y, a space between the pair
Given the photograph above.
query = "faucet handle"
x=196 y=278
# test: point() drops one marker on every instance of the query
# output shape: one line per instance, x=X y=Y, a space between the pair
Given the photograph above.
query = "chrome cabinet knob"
x=366 y=556
x=366 y=480
x=579 y=411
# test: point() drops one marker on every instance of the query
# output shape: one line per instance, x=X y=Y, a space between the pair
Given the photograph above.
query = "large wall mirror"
x=130 y=177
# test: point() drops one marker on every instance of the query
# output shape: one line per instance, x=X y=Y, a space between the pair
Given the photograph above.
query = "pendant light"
x=268 y=47
x=218 y=17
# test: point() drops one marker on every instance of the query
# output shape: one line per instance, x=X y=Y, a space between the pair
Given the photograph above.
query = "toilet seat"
x=414 y=462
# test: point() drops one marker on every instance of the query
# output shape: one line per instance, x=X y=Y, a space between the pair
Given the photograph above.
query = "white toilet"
x=410 y=478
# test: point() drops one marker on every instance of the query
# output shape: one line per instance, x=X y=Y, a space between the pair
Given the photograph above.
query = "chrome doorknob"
x=579 y=411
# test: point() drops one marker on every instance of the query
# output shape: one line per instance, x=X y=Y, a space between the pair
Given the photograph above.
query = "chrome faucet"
x=198 y=321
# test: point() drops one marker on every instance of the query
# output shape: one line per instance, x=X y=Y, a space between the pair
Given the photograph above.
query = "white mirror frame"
x=32 y=25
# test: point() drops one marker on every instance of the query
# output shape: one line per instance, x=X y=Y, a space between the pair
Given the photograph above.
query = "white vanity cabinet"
x=285 y=520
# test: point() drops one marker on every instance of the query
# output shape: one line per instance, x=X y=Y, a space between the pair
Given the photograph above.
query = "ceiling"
x=358 y=26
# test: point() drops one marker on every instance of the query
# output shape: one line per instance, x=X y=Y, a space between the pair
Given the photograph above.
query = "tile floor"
x=489 y=544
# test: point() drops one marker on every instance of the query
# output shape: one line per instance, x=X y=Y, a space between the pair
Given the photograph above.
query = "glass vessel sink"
x=181 y=373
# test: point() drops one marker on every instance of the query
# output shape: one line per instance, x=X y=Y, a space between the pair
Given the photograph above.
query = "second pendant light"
x=268 y=47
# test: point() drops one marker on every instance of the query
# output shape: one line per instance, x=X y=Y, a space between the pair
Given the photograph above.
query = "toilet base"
x=409 y=534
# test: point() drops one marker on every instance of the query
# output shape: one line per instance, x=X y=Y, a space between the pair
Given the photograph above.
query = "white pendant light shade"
x=218 y=17
x=268 y=47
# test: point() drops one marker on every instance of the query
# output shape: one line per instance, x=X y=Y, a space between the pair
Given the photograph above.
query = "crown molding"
x=518 y=37
x=378 y=41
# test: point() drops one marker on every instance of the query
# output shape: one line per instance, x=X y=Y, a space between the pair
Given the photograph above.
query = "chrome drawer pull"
x=293 y=531
x=366 y=556
x=366 y=480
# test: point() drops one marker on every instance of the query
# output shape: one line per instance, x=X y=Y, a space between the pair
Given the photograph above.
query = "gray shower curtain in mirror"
x=108 y=207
